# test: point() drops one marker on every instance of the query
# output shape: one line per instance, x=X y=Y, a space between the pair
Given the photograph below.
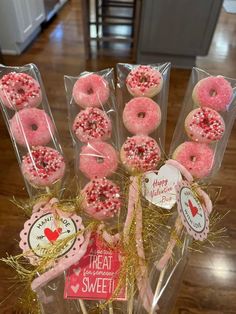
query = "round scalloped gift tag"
x=42 y=231
x=193 y=215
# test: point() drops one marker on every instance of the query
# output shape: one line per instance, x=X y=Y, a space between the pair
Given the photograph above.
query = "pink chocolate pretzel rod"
x=207 y=201
x=178 y=224
x=133 y=194
x=110 y=239
x=160 y=265
x=129 y=218
x=142 y=277
x=56 y=271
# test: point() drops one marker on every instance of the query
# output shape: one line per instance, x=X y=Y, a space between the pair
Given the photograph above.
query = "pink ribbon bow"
x=51 y=206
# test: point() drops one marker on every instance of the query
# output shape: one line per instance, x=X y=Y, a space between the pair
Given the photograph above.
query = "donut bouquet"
x=113 y=237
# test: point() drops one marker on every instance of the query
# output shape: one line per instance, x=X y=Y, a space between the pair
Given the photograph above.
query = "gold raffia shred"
x=217 y=234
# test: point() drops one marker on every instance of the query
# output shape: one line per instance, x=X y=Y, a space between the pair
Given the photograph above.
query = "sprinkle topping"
x=141 y=153
x=207 y=123
x=19 y=89
x=144 y=77
x=92 y=123
x=103 y=197
x=43 y=162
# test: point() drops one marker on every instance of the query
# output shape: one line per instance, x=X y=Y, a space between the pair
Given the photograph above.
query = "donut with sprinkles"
x=140 y=153
x=101 y=199
x=144 y=80
x=204 y=125
x=92 y=124
x=43 y=166
x=19 y=90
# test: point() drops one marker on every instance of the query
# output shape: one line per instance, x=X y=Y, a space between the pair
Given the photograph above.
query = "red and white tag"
x=96 y=275
x=191 y=211
x=159 y=187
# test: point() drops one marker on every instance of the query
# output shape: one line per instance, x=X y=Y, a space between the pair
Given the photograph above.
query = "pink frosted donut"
x=144 y=80
x=140 y=153
x=141 y=115
x=197 y=158
x=19 y=90
x=101 y=199
x=214 y=92
x=43 y=166
x=98 y=159
x=204 y=125
x=33 y=126
x=92 y=124
x=91 y=90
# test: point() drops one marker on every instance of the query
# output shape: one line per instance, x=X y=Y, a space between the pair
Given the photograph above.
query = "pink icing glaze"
x=98 y=159
x=144 y=80
x=141 y=115
x=101 y=199
x=43 y=166
x=214 y=92
x=19 y=90
x=92 y=124
x=32 y=126
x=91 y=90
x=140 y=153
x=204 y=125
x=197 y=158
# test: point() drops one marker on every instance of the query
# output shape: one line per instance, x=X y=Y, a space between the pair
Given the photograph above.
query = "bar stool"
x=100 y=17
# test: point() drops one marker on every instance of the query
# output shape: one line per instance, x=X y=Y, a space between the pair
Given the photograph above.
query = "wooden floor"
x=209 y=283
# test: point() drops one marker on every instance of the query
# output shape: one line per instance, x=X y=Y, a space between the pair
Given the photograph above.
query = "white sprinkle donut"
x=32 y=126
x=98 y=159
x=197 y=158
x=214 y=92
x=141 y=115
x=19 y=90
x=92 y=124
x=144 y=80
x=43 y=166
x=101 y=199
x=204 y=125
x=91 y=90
x=140 y=153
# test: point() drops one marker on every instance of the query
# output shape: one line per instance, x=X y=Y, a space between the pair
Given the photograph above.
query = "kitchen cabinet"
x=29 y=14
x=19 y=23
x=176 y=31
